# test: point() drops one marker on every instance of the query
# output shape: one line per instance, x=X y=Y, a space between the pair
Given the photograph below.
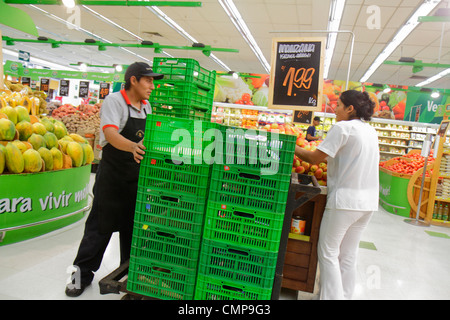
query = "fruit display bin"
x=249 y=189
x=210 y=288
x=243 y=227
x=164 y=245
x=185 y=70
x=159 y=280
x=163 y=135
x=158 y=172
x=175 y=213
x=240 y=265
x=269 y=152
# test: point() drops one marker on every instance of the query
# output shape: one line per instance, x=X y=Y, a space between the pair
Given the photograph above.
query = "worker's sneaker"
x=73 y=290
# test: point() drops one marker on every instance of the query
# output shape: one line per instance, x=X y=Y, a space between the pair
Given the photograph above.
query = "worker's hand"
x=138 y=151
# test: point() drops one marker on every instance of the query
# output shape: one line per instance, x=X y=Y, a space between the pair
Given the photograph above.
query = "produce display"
x=18 y=94
x=29 y=144
x=407 y=164
x=84 y=119
x=251 y=90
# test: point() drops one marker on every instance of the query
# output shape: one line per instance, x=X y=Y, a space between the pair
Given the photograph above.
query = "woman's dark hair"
x=128 y=83
x=361 y=101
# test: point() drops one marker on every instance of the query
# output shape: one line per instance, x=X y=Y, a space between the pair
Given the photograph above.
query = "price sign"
x=26 y=81
x=104 y=90
x=64 y=88
x=84 y=89
x=296 y=77
x=45 y=82
x=303 y=117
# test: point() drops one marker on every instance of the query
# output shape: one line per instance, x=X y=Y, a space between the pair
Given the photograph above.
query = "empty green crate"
x=182 y=139
x=249 y=188
x=209 y=288
x=158 y=172
x=182 y=111
x=171 y=93
x=166 y=246
x=270 y=153
x=241 y=226
x=237 y=264
x=159 y=280
x=174 y=212
x=185 y=70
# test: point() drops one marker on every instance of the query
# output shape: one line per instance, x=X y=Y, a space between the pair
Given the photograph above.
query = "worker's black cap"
x=317 y=119
x=141 y=69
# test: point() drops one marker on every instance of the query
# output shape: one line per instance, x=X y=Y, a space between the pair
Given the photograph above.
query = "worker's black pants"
x=94 y=243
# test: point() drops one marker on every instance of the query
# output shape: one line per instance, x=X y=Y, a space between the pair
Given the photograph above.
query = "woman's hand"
x=138 y=151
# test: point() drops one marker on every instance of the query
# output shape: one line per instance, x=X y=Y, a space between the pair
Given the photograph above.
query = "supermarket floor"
x=396 y=261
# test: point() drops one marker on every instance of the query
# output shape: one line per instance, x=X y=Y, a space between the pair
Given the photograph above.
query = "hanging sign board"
x=303 y=117
x=296 y=76
x=104 y=90
x=84 y=89
x=26 y=81
x=64 y=88
x=45 y=82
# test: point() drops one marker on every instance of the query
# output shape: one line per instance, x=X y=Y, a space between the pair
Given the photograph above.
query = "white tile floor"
x=408 y=263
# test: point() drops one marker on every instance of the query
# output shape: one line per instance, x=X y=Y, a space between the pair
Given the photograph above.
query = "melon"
x=37 y=141
x=7 y=129
x=32 y=161
x=25 y=129
x=58 y=160
x=14 y=158
x=47 y=156
x=22 y=114
x=75 y=151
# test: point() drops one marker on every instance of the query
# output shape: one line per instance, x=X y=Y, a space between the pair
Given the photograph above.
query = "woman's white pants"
x=339 y=237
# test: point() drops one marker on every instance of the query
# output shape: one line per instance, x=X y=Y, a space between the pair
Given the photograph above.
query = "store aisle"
x=396 y=261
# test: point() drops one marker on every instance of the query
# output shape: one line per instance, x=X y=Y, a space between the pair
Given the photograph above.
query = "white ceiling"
x=210 y=25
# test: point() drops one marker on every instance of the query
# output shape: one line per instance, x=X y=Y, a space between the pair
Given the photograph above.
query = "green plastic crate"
x=209 y=288
x=158 y=172
x=240 y=265
x=166 y=246
x=270 y=153
x=182 y=139
x=174 y=212
x=240 y=226
x=182 y=111
x=171 y=93
x=159 y=280
x=185 y=70
x=249 y=188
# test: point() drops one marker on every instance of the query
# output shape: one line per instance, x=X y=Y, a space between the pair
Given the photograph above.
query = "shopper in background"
x=123 y=116
x=351 y=148
x=311 y=131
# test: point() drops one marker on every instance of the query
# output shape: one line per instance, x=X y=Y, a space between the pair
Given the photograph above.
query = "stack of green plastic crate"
x=170 y=208
x=186 y=91
x=244 y=217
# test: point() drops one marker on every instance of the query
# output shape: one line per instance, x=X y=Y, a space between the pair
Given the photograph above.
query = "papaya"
x=50 y=139
x=34 y=119
x=3 y=116
x=19 y=144
x=39 y=128
x=2 y=161
x=37 y=141
x=67 y=161
x=48 y=125
x=63 y=144
x=59 y=130
x=7 y=130
x=25 y=129
x=22 y=114
x=76 y=137
x=47 y=156
x=88 y=153
x=58 y=160
x=14 y=159
x=32 y=161
x=75 y=151
x=10 y=112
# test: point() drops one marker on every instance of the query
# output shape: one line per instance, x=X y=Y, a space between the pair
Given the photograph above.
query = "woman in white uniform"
x=351 y=149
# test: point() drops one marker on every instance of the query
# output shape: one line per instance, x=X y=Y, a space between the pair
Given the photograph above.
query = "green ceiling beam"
x=111 y=3
x=102 y=45
x=418 y=65
x=434 y=19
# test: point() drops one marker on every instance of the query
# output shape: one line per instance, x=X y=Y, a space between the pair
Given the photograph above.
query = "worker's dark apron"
x=118 y=178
